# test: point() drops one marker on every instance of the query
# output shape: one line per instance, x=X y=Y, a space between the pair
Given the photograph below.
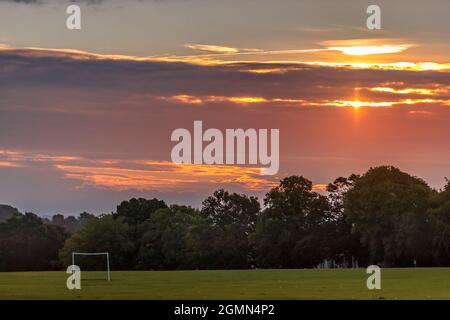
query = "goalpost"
x=93 y=254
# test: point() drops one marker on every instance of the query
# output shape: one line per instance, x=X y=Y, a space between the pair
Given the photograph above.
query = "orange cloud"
x=320 y=187
x=269 y=70
x=165 y=176
x=117 y=174
x=9 y=164
x=183 y=98
x=420 y=112
x=211 y=48
x=401 y=66
x=20 y=156
x=189 y=99
x=378 y=104
x=421 y=91
x=369 y=50
x=360 y=46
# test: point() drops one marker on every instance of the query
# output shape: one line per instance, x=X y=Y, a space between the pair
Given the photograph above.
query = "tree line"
x=384 y=216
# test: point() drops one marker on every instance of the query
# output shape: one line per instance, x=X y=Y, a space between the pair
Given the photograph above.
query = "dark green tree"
x=292 y=230
x=230 y=218
x=7 y=212
x=388 y=208
x=71 y=223
x=102 y=234
x=163 y=242
x=346 y=242
x=224 y=208
x=136 y=211
x=28 y=243
x=439 y=220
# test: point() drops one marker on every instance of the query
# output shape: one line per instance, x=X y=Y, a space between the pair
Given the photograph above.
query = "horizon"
x=260 y=198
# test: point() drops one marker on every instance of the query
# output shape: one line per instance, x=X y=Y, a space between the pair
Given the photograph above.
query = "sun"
x=356 y=104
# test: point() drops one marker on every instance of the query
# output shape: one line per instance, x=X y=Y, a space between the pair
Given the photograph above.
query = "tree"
x=223 y=208
x=103 y=234
x=292 y=230
x=27 y=243
x=136 y=211
x=70 y=223
x=346 y=244
x=230 y=218
x=273 y=241
x=7 y=212
x=84 y=217
x=387 y=207
x=212 y=247
x=163 y=241
x=439 y=220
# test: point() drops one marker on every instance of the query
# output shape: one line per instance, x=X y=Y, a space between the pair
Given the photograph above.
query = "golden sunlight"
x=368 y=50
x=421 y=91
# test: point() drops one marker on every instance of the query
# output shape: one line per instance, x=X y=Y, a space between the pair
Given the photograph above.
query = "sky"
x=86 y=115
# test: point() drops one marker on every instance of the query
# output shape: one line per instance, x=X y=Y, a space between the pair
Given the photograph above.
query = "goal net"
x=92 y=261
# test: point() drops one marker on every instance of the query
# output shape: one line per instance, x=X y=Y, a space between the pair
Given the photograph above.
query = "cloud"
x=92 y=84
x=167 y=177
x=320 y=187
x=138 y=174
x=82 y=125
x=355 y=47
x=240 y=100
x=212 y=48
x=214 y=58
x=369 y=50
x=9 y=164
x=420 y=112
x=362 y=47
x=220 y=49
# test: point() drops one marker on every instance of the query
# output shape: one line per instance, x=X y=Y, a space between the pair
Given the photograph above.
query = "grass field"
x=417 y=283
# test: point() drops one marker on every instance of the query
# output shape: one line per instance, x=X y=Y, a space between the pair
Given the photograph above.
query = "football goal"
x=106 y=254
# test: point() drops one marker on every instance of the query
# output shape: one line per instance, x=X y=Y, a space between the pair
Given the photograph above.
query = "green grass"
x=432 y=283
